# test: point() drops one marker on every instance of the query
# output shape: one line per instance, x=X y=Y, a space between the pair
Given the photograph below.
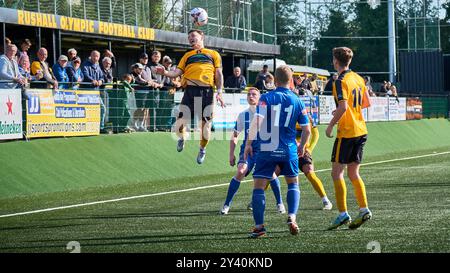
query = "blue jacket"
x=92 y=72
x=74 y=75
x=60 y=75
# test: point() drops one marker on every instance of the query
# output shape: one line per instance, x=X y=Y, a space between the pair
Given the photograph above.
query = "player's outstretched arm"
x=219 y=85
x=171 y=74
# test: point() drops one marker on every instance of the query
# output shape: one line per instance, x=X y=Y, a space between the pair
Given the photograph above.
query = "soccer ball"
x=199 y=17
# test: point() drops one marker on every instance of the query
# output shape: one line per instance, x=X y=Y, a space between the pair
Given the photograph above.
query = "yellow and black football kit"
x=351 y=135
x=352 y=130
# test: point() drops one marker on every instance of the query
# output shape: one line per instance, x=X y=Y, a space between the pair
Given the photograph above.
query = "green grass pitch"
x=409 y=199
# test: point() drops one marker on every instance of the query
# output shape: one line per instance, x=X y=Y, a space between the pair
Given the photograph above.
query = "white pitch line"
x=191 y=189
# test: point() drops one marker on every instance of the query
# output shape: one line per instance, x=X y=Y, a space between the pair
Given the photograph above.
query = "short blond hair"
x=283 y=75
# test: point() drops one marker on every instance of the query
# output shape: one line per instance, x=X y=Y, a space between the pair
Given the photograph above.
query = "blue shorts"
x=251 y=160
x=265 y=168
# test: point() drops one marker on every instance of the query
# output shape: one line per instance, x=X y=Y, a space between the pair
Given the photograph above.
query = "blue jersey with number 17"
x=280 y=109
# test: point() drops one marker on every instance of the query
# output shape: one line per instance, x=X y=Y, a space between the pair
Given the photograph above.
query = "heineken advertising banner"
x=62 y=113
x=10 y=114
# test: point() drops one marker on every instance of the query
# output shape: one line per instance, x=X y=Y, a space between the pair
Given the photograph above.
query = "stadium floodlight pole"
x=391 y=40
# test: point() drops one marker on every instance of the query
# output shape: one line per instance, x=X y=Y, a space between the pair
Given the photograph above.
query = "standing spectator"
x=153 y=64
x=93 y=74
x=60 y=72
x=107 y=70
x=74 y=72
x=329 y=84
x=172 y=84
x=108 y=53
x=141 y=115
x=261 y=77
x=9 y=69
x=392 y=92
x=147 y=75
x=305 y=85
x=236 y=81
x=7 y=42
x=41 y=66
x=71 y=54
x=23 y=53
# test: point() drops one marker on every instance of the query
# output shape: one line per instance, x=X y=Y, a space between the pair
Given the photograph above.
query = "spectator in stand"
x=392 y=92
x=261 y=77
x=141 y=116
x=9 y=69
x=269 y=83
x=108 y=53
x=25 y=72
x=93 y=74
x=153 y=64
x=23 y=53
x=7 y=42
x=146 y=77
x=368 y=82
x=383 y=88
x=107 y=70
x=74 y=72
x=236 y=81
x=60 y=72
x=40 y=66
x=305 y=85
x=71 y=54
x=329 y=85
x=171 y=84
x=314 y=86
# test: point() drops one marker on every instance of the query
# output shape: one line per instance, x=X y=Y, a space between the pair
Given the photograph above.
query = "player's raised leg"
x=205 y=135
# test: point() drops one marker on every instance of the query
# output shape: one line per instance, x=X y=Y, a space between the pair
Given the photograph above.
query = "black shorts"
x=193 y=97
x=348 y=150
x=306 y=159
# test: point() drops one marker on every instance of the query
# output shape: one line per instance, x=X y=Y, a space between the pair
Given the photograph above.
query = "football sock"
x=314 y=138
x=316 y=183
x=293 y=198
x=232 y=189
x=259 y=205
x=203 y=143
x=360 y=192
x=341 y=194
x=275 y=185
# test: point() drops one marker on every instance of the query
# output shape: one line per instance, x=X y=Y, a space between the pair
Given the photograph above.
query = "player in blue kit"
x=275 y=125
x=246 y=166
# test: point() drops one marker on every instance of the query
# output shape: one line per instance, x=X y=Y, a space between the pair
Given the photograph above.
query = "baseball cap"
x=138 y=65
x=143 y=56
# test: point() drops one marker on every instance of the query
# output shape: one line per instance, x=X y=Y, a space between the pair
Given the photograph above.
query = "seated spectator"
x=9 y=69
x=329 y=84
x=23 y=53
x=236 y=81
x=74 y=72
x=107 y=70
x=60 y=72
x=269 y=83
x=171 y=84
x=41 y=66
